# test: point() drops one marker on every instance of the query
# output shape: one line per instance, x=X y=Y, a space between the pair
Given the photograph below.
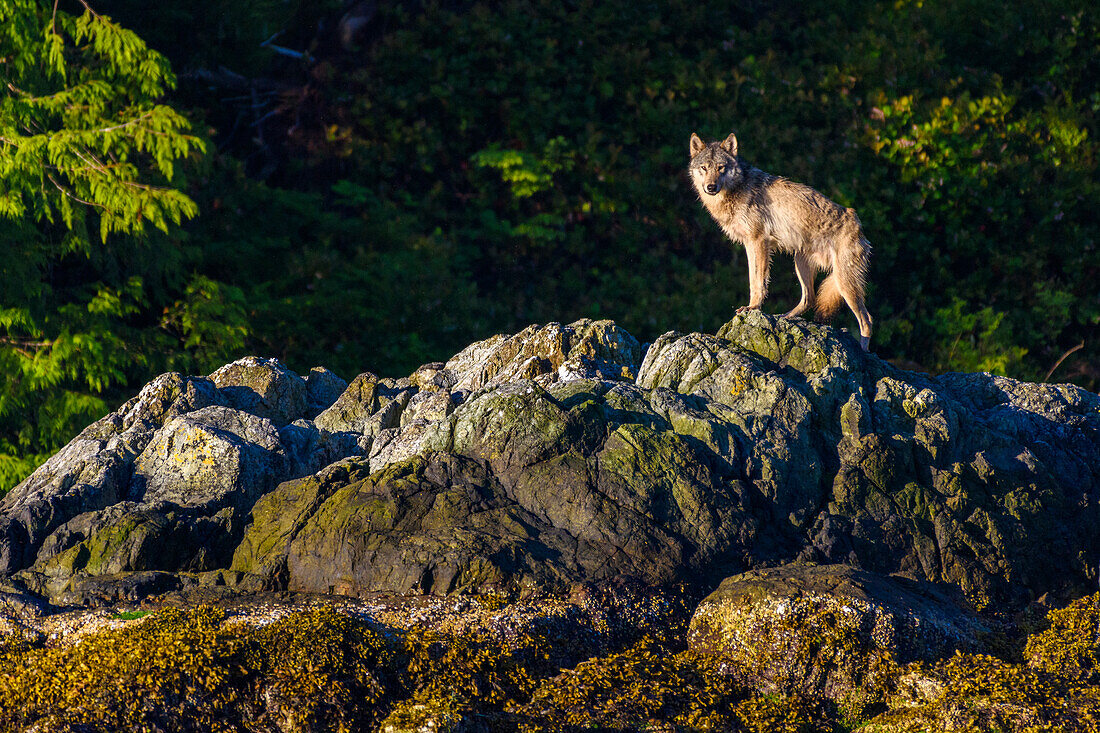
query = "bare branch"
x=26 y=347
x=1063 y=358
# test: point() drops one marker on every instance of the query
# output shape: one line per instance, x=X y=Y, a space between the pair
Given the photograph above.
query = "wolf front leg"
x=760 y=261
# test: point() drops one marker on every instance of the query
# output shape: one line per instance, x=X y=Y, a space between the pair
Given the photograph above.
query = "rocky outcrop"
x=971 y=479
x=565 y=454
x=520 y=484
x=167 y=481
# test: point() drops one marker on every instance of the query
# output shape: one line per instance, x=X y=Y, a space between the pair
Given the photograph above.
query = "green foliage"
x=90 y=166
x=526 y=174
x=130 y=615
x=525 y=164
x=974 y=341
x=80 y=129
x=468 y=169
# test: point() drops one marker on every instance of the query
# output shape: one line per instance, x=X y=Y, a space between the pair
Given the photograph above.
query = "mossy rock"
x=353 y=408
x=807 y=347
x=433 y=525
x=774 y=440
x=279 y=516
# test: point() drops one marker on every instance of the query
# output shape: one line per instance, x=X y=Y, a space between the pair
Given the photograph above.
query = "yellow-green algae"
x=188 y=670
x=324 y=670
x=810 y=647
x=1053 y=687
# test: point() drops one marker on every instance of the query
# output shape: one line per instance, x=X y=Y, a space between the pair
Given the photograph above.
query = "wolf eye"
x=703 y=168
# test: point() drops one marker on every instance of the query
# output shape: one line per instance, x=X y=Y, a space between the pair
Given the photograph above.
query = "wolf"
x=766 y=213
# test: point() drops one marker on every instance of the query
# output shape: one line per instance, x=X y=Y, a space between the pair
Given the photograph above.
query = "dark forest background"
x=372 y=186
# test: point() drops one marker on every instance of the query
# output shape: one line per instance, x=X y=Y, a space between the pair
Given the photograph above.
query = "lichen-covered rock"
x=771 y=420
x=772 y=441
x=213 y=457
x=323 y=388
x=429 y=406
x=94 y=470
x=263 y=387
x=179 y=444
x=979 y=481
x=827 y=631
x=354 y=407
x=310 y=448
x=585 y=348
x=370 y=406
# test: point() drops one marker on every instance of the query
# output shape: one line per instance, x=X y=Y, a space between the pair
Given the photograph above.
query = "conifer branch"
x=127 y=123
x=71 y=195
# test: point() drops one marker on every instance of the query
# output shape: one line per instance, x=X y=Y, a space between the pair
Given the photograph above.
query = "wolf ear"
x=730 y=144
x=696 y=144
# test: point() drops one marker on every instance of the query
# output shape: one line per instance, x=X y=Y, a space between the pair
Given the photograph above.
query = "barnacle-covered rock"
x=1053 y=687
x=827 y=631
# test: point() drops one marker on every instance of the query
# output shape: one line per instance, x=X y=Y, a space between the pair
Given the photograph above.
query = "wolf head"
x=714 y=166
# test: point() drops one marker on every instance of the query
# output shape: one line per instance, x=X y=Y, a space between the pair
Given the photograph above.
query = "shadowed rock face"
x=535 y=487
x=561 y=454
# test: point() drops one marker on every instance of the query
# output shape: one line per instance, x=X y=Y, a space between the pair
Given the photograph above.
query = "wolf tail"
x=828 y=299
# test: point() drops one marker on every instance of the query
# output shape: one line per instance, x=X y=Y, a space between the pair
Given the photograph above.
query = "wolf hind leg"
x=805 y=271
x=853 y=296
